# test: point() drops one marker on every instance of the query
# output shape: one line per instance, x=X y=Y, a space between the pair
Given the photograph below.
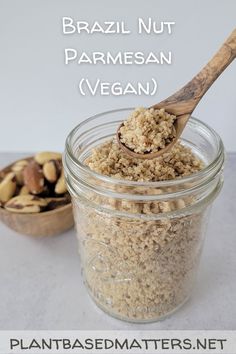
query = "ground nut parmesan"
x=148 y=130
x=109 y=160
x=136 y=267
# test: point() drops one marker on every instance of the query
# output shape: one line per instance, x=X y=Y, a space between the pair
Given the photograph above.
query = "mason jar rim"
x=215 y=164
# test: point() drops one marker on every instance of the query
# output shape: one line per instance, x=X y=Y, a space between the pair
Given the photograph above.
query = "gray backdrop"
x=39 y=99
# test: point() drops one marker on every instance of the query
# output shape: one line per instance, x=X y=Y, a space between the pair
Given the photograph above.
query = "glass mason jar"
x=140 y=242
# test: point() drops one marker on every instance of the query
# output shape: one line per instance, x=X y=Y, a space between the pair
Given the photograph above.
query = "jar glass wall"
x=140 y=242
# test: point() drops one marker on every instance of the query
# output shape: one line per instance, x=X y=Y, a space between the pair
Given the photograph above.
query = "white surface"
x=41 y=286
x=40 y=102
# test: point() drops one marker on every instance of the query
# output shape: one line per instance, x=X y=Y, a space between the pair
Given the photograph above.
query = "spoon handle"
x=186 y=99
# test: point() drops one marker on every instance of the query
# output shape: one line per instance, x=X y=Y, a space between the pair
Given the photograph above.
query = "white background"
x=39 y=99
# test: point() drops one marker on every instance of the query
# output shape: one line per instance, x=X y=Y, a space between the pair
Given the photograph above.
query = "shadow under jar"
x=140 y=242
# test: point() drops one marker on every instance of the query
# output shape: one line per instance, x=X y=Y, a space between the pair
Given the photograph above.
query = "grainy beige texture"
x=136 y=268
x=148 y=130
x=108 y=159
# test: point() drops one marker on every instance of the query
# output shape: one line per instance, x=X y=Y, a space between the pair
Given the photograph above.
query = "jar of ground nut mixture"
x=141 y=223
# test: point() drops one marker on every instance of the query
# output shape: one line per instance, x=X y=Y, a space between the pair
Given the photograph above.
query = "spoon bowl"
x=179 y=125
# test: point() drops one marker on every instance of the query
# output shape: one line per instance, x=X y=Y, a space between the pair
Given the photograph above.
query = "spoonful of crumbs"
x=148 y=130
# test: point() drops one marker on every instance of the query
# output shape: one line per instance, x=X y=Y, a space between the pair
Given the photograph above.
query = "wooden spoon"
x=183 y=102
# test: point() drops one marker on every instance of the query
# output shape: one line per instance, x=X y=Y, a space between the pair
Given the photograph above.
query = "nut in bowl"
x=33 y=196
